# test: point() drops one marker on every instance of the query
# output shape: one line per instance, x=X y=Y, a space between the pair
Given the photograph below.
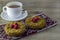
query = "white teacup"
x=12 y=11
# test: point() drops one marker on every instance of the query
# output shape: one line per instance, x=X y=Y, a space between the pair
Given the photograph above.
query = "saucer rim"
x=26 y=14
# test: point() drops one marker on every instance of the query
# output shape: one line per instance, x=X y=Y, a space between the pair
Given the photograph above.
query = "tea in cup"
x=13 y=9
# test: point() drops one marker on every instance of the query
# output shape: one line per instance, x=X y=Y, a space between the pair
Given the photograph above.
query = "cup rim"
x=12 y=3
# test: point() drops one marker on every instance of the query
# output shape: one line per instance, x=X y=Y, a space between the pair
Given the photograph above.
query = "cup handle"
x=4 y=9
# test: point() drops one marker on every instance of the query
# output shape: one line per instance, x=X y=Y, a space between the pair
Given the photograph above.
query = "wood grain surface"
x=49 y=7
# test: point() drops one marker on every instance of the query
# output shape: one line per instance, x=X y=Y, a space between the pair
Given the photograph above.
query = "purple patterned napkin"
x=49 y=23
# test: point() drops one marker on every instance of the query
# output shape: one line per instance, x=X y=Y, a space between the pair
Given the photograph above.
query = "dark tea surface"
x=14 y=6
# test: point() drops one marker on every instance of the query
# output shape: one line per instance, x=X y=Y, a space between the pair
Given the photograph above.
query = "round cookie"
x=35 y=22
x=14 y=28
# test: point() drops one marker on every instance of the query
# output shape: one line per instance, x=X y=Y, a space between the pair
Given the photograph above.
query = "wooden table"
x=49 y=7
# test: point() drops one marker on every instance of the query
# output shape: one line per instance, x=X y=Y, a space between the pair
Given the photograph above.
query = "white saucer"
x=6 y=17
